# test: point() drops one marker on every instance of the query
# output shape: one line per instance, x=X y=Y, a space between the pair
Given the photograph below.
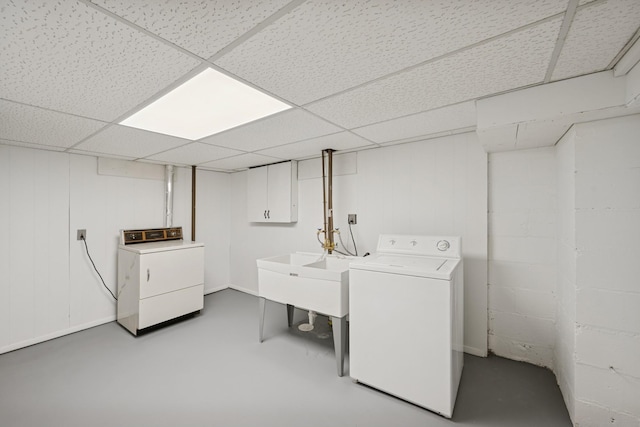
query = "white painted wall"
x=213 y=216
x=34 y=248
x=48 y=287
x=565 y=343
x=598 y=343
x=522 y=254
x=429 y=187
x=607 y=220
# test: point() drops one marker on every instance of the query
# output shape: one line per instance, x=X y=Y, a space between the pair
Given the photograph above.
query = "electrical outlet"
x=351 y=219
x=82 y=234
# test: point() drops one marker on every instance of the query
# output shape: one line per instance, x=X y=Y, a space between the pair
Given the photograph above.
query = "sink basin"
x=306 y=281
x=331 y=268
x=311 y=282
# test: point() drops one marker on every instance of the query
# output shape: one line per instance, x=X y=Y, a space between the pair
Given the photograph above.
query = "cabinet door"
x=257 y=194
x=279 y=193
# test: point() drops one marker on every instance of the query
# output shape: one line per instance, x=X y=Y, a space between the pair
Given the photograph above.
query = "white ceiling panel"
x=200 y=26
x=517 y=60
x=66 y=56
x=282 y=128
x=130 y=142
x=195 y=153
x=321 y=48
x=443 y=119
x=34 y=125
x=314 y=147
x=243 y=161
x=598 y=32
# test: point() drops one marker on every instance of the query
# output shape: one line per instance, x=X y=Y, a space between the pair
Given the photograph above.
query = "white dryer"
x=406 y=319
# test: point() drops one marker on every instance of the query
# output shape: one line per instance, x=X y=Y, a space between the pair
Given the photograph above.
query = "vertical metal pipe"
x=168 y=196
x=193 y=203
x=330 y=201
x=324 y=199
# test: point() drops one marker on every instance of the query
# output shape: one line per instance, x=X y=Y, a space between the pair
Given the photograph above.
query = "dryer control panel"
x=409 y=244
x=128 y=237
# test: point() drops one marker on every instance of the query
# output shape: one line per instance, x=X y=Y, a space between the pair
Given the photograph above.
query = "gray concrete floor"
x=211 y=370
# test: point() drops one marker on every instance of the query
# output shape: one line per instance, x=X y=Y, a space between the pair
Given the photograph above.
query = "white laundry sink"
x=306 y=281
x=311 y=282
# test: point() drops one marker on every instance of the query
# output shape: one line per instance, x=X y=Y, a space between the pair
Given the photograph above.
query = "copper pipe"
x=330 y=201
x=324 y=200
x=193 y=203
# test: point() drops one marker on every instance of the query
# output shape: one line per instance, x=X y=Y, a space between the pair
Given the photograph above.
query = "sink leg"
x=262 y=303
x=339 y=340
x=290 y=314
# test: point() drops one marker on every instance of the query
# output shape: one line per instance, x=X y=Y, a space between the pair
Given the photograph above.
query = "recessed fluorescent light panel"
x=207 y=104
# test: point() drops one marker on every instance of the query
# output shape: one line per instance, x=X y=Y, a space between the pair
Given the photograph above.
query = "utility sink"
x=306 y=281
x=311 y=282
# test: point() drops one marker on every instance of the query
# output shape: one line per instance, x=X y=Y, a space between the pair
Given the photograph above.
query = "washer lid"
x=421 y=266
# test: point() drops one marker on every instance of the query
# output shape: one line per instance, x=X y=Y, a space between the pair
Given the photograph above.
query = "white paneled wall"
x=522 y=254
x=48 y=287
x=103 y=205
x=428 y=187
x=213 y=212
x=34 y=250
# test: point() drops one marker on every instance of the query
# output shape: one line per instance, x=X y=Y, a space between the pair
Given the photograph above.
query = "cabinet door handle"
x=148 y=274
x=268 y=214
x=265 y=214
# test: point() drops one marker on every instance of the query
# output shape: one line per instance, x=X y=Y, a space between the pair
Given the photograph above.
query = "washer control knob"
x=443 y=245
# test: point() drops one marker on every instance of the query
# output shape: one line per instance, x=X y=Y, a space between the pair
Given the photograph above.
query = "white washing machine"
x=406 y=319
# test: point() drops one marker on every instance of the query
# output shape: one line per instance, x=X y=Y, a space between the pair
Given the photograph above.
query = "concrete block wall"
x=564 y=351
x=522 y=254
x=607 y=316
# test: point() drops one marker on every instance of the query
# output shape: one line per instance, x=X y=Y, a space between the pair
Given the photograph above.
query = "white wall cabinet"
x=272 y=194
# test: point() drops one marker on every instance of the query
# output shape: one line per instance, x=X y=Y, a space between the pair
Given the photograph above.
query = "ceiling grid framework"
x=359 y=74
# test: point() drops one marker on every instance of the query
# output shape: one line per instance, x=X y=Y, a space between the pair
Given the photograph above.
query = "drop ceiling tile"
x=28 y=145
x=195 y=153
x=598 y=32
x=44 y=127
x=67 y=56
x=278 y=129
x=313 y=147
x=242 y=161
x=200 y=26
x=509 y=62
x=321 y=47
x=443 y=119
x=131 y=142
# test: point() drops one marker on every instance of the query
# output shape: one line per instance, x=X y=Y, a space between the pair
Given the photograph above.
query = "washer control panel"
x=449 y=246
